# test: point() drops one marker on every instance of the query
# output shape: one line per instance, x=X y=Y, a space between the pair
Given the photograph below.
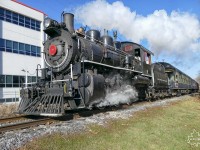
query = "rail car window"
x=147 y=58
x=19 y=19
x=137 y=54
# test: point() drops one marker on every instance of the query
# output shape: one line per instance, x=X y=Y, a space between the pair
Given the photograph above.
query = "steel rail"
x=24 y=125
x=2 y=120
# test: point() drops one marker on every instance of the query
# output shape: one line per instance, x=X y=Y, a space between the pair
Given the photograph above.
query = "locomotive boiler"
x=82 y=67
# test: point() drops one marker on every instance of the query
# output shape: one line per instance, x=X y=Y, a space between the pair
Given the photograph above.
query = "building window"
x=15 y=47
x=1 y=14
x=8 y=15
x=8 y=99
x=15 y=81
x=9 y=80
x=38 y=25
x=33 y=50
x=22 y=80
x=2 y=44
x=3 y=100
x=33 y=79
x=29 y=79
x=38 y=51
x=8 y=46
x=27 y=49
x=15 y=19
x=2 y=80
x=33 y=25
x=27 y=22
x=21 y=48
x=19 y=19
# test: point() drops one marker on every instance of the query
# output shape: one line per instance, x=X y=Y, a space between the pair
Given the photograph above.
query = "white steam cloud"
x=175 y=32
x=123 y=95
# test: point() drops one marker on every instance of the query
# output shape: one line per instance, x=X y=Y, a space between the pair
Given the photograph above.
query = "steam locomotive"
x=83 y=67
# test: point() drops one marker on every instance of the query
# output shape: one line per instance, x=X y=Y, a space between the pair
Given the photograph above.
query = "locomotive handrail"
x=132 y=70
x=60 y=80
x=32 y=83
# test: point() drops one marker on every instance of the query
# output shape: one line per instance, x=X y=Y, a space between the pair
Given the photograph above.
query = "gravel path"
x=15 y=139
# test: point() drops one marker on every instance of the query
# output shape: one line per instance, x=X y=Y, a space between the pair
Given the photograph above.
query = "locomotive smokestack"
x=68 y=19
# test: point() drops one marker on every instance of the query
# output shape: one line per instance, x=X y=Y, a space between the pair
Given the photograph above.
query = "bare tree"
x=198 y=78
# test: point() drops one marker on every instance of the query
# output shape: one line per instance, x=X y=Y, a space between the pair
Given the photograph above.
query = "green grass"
x=156 y=128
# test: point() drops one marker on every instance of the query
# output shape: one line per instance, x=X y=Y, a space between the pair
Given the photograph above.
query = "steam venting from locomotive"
x=124 y=95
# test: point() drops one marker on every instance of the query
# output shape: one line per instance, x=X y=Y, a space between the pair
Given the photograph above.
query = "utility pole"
x=26 y=77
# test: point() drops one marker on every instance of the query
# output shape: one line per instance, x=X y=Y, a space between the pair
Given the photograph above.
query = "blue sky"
x=142 y=7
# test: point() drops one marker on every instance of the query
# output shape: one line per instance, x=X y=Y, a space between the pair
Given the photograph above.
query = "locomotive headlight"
x=48 y=22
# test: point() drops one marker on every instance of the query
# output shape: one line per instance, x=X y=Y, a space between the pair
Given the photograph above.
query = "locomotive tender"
x=83 y=67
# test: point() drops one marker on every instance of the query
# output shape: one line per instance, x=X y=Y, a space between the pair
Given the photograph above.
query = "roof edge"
x=16 y=1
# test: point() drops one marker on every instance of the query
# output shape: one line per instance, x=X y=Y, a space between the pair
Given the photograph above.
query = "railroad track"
x=70 y=116
x=27 y=124
x=9 y=119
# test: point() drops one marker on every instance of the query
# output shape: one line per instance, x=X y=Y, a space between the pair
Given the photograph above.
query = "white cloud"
x=177 y=32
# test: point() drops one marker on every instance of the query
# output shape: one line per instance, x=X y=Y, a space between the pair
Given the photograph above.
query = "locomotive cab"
x=141 y=57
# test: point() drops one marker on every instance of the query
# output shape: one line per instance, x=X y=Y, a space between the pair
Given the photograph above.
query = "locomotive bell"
x=68 y=19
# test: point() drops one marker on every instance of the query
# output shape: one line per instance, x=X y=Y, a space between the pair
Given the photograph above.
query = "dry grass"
x=8 y=110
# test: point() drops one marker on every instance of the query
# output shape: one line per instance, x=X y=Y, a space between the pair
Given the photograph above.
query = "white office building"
x=21 y=37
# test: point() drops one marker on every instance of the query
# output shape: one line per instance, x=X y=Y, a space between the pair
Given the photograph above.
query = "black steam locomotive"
x=83 y=67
